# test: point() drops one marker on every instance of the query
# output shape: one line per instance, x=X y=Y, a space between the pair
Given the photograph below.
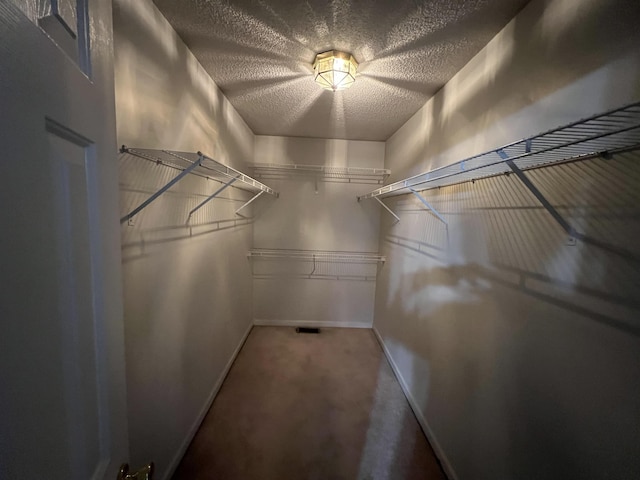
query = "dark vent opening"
x=307 y=330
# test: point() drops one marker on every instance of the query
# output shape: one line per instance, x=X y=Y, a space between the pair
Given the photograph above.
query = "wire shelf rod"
x=194 y=163
x=318 y=255
x=207 y=164
x=325 y=169
x=613 y=130
x=321 y=173
x=167 y=164
x=166 y=187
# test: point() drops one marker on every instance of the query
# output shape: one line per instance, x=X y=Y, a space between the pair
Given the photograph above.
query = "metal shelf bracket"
x=574 y=235
x=387 y=208
x=255 y=197
x=153 y=197
x=541 y=198
x=212 y=196
x=428 y=205
x=199 y=165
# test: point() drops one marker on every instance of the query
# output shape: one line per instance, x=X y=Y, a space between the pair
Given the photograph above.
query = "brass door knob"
x=145 y=473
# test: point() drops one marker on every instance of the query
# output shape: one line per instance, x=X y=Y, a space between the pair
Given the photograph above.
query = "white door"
x=62 y=394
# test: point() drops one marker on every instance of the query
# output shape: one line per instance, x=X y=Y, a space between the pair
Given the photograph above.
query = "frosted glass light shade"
x=335 y=70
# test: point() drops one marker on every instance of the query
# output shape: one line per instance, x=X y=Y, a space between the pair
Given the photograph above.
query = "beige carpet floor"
x=310 y=407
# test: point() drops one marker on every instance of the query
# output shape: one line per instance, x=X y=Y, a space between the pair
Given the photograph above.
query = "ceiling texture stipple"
x=260 y=54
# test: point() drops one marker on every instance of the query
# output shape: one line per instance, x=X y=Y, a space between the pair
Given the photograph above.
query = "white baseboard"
x=196 y=424
x=309 y=323
x=444 y=461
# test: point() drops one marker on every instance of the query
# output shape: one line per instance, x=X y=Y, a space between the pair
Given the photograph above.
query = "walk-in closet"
x=307 y=240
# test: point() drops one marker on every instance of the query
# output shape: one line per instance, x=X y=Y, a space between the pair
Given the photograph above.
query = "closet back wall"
x=187 y=287
x=327 y=219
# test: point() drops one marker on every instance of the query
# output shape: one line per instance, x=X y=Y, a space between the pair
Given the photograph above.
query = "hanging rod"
x=196 y=164
x=597 y=135
x=321 y=264
x=326 y=172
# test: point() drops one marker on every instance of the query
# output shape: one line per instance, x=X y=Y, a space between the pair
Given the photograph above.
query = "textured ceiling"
x=260 y=53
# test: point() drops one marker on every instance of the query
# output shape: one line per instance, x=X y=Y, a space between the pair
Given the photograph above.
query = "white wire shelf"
x=315 y=264
x=324 y=255
x=608 y=132
x=196 y=163
x=208 y=167
x=321 y=172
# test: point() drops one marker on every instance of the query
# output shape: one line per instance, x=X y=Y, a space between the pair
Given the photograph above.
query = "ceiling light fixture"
x=335 y=70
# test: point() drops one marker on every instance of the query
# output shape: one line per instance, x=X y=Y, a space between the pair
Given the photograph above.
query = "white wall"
x=187 y=288
x=555 y=62
x=522 y=354
x=302 y=219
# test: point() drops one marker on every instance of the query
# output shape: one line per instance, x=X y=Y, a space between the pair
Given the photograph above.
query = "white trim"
x=444 y=461
x=309 y=323
x=198 y=421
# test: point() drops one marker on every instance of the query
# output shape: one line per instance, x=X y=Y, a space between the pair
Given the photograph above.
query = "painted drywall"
x=187 y=285
x=522 y=353
x=303 y=218
x=551 y=65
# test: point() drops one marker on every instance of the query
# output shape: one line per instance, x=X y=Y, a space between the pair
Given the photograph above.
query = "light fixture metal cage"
x=335 y=70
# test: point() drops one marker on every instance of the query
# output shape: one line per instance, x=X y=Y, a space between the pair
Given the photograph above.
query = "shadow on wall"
x=187 y=302
x=187 y=286
x=164 y=98
x=512 y=342
x=547 y=48
x=168 y=216
x=514 y=233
